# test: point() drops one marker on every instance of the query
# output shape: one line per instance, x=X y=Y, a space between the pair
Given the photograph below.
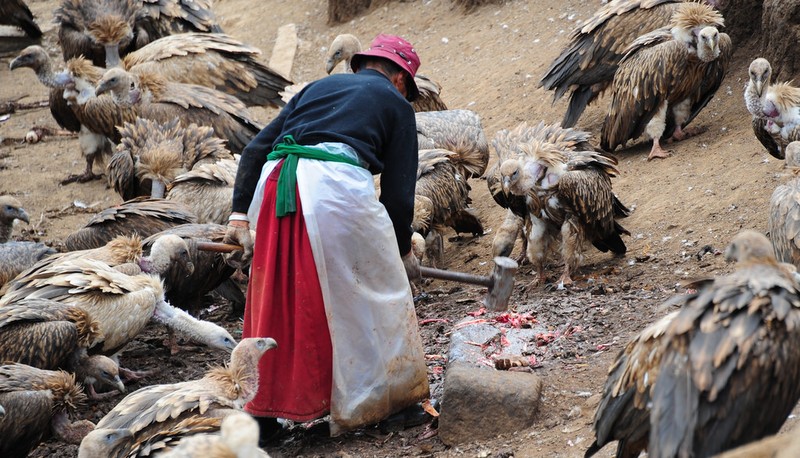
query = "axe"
x=500 y=282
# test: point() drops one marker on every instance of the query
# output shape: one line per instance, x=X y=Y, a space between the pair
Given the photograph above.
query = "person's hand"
x=238 y=233
x=411 y=263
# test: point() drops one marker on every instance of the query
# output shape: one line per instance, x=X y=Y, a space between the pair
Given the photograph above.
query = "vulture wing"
x=774 y=144
x=784 y=222
x=26 y=422
x=207 y=190
x=167 y=17
x=17 y=13
x=459 y=131
x=16 y=257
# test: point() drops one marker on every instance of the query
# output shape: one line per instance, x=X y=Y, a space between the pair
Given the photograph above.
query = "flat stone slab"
x=282 y=58
x=480 y=402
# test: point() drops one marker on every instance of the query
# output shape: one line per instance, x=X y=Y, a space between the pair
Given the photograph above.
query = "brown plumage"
x=666 y=78
x=83 y=32
x=16 y=13
x=568 y=194
x=755 y=90
x=784 y=211
x=149 y=96
x=159 y=407
x=459 y=131
x=207 y=190
x=721 y=374
x=343 y=48
x=49 y=335
x=140 y=217
x=16 y=257
x=36 y=400
x=151 y=154
x=587 y=65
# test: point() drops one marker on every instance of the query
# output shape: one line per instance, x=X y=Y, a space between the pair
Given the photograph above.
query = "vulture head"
x=166 y=250
x=343 y=48
x=205 y=332
x=749 y=245
x=244 y=361
x=708 y=44
x=122 y=85
x=78 y=80
x=690 y=18
x=104 y=370
x=101 y=442
x=240 y=433
x=35 y=58
x=760 y=75
x=782 y=104
x=10 y=210
x=111 y=32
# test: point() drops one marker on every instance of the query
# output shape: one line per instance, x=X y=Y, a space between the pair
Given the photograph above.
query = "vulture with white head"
x=346 y=45
x=755 y=91
x=784 y=211
x=666 y=78
x=153 y=409
x=782 y=108
x=567 y=195
x=721 y=373
x=10 y=210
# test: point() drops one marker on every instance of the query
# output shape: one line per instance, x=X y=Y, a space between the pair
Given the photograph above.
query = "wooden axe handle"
x=461 y=277
x=217 y=247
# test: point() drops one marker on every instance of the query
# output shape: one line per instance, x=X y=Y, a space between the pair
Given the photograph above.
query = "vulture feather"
x=760 y=78
x=459 y=131
x=15 y=257
x=121 y=304
x=149 y=96
x=237 y=436
x=84 y=24
x=666 y=78
x=10 y=211
x=36 y=402
x=568 y=195
x=16 y=13
x=784 y=212
x=151 y=154
x=140 y=217
x=345 y=46
x=161 y=407
x=586 y=67
x=212 y=60
x=50 y=335
x=207 y=190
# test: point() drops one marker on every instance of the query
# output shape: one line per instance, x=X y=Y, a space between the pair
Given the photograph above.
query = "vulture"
x=345 y=46
x=238 y=436
x=121 y=304
x=50 y=335
x=15 y=257
x=722 y=372
x=506 y=145
x=151 y=410
x=149 y=96
x=207 y=190
x=151 y=154
x=10 y=211
x=666 y=78
x=17 y=14
x=568 y=195
x=213 y=60
x=760 y=76
x=784 y=212
x=82 y=30
x=36 y=402
x=140 y=217
x=782 y=109
x=587 y=65
x=459 y=131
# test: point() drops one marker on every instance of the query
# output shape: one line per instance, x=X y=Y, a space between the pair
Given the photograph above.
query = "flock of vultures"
x=159 y=95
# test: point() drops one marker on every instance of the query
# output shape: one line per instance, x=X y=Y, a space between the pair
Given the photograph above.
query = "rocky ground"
x=686 y=207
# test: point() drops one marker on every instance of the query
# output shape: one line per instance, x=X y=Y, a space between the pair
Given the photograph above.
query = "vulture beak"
x=22 y=216
x=329 y=65
x=759 y=86
x=16 y=63
x=506 y=185
x=101 y=89
x=118 y=383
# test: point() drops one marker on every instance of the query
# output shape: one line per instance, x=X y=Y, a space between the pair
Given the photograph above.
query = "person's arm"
x=398 y=181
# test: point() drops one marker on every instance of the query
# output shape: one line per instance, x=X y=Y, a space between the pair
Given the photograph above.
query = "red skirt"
x=284 y=301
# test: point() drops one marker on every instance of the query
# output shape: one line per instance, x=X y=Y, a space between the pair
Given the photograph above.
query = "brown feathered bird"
x=81 y=33
x=151 y=154
x=460 y=131
x=755 y=90
x=15 y=257
x=140 y=217
x=151 y=97
x=587 y=65
x=568 y=196
x=207 y=190
x=50 y=335
x=16 y=13
x=666 y=78
x=724 y=367
x=10 y=211
x=159 y=407
x=784 y=211
x=237 y=436
x=37 y=402
x=346 y=45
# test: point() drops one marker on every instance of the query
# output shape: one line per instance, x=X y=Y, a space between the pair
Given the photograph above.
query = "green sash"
x=287 y=180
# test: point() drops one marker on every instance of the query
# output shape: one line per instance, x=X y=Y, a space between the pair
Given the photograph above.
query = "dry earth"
x=488 y=61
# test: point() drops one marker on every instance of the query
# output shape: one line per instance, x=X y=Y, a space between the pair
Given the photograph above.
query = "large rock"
x=480 y=402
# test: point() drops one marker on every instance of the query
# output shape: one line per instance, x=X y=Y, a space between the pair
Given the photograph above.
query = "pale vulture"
x=755 y=91
x=784 y=211
x=207 y=190
x=782 y=108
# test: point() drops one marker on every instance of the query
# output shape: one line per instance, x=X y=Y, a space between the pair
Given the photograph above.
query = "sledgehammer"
x=500 y=282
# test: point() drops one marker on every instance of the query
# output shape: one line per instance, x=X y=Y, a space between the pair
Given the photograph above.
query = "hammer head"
x=502 y=284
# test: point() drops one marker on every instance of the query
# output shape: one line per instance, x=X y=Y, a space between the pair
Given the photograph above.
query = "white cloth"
x=378 y=358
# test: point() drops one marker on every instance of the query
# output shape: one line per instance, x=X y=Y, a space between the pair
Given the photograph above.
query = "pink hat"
x=397 y=50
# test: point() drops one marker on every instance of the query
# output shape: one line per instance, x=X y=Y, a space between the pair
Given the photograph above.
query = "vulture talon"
x=128 y=375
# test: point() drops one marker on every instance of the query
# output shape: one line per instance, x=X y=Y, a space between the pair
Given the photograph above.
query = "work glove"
x=238 y=233
x=411 y=263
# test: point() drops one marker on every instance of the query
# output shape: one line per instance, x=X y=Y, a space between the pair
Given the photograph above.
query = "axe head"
x=502 y=284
